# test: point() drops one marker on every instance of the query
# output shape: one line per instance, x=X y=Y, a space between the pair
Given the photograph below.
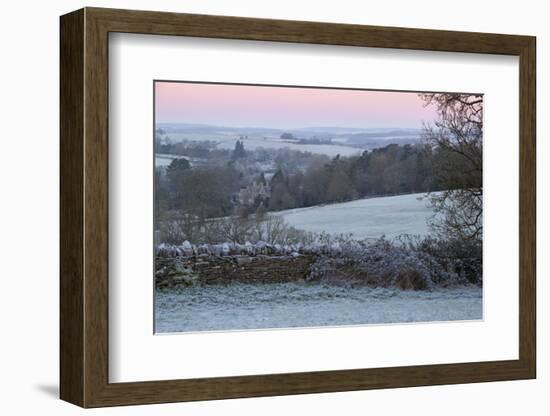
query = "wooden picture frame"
x=84 y=207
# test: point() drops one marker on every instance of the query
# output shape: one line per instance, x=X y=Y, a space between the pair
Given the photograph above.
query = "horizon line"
x=285 y=128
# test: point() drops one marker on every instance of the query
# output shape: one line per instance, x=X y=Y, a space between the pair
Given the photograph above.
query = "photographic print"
x=295 y=207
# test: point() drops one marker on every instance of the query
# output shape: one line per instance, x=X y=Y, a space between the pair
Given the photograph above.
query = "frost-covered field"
x=366 y=218
x=228 y=142
x=286 y=305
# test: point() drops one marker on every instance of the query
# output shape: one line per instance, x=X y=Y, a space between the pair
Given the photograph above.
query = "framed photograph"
x=254 y=207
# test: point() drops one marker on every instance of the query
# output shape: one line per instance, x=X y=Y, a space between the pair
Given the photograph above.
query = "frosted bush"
x=234 y=229
x=409 y=263
x=449 y=260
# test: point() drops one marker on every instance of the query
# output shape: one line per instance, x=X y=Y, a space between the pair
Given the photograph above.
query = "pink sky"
x=286 y=107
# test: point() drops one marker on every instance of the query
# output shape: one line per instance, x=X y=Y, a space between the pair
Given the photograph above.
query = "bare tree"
x=235 y=229
x=456 y=137
x=176 y=227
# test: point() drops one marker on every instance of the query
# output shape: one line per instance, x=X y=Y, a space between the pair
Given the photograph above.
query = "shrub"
x=408 y=263
x=234 y=229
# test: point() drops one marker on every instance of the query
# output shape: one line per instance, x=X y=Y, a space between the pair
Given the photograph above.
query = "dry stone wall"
x=208 y=269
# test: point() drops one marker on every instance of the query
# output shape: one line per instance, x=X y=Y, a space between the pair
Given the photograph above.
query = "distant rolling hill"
x=364 y=138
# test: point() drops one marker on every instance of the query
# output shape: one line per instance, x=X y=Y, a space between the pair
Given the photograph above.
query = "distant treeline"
x=300 y=180
x=204 y=149
x=389 y=170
